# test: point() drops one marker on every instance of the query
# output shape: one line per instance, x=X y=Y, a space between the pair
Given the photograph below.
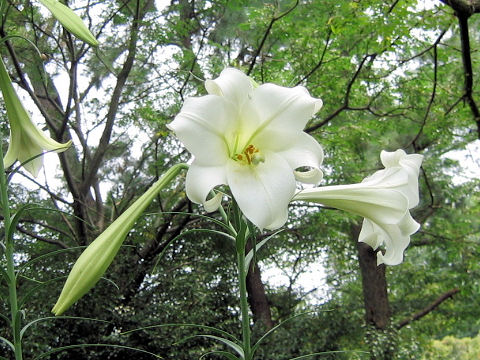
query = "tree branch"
x=418 y=315
x=265 y=35
x=434 y=91
x=467 y=68
x=115 y=101
x=346 y=99
x=463 y=10
x=467 y=7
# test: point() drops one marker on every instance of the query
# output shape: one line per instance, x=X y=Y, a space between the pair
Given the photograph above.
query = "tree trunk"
x=380 y=336
x=257 y=298
x=374 y=283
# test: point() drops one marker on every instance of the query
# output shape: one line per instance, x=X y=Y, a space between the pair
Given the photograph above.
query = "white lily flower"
x=250 y=138
x=383 y=199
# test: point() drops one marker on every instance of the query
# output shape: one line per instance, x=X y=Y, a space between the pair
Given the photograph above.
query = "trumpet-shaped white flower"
x=383 y=199
x=250 y=138
x=26 y=140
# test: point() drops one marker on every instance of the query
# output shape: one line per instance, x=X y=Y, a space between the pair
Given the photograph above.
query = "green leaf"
x=22 y=332
x=77 y=346
x=249 y=256
x=224 y=353
x=9 y=343
x=227 y=342
x=328 y=353
x=16 y=218
x=205 y=327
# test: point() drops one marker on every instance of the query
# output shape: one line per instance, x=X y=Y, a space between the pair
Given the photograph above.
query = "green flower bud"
x=71 y=21
x=98 y=256
x=26 y=140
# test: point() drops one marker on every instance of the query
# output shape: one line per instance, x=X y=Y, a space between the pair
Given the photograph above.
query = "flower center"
x=250 y=156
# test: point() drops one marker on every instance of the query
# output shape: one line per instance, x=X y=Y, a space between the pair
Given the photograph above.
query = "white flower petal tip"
x=313 y=176
x=317 y=105
x=249 y=137
x=212 y=205
x=383 y=199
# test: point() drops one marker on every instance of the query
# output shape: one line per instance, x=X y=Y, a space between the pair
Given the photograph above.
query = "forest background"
x=392 y=74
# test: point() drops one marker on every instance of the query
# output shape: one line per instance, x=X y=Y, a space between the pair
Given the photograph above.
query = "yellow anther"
x=250 y=155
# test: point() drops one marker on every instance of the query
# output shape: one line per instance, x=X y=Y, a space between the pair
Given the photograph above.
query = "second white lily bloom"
x=250 y=138
x=383 y=199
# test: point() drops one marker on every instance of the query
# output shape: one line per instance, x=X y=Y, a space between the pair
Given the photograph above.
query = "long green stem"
x=9 y=254
x=242 y=279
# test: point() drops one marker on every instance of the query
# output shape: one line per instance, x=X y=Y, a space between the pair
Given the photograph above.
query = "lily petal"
x=383 y=205
x=232 y=84
x=306 y=152
x=214 y=203
x=26 y=139
x=395 y=237
x=401 y=172
x=202 y=179
x=263 y=191
x=313 y=176
x=251 y=139
x=202 y=126
x=284 y=108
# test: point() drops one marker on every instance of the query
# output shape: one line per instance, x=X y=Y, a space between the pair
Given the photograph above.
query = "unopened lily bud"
x=26 y=140
x=98 y=256
x=71 y=21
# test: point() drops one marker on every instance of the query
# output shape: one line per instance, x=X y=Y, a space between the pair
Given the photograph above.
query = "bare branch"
x=97 y=158
x=320 y=62
x=467 y=7
x=346 y=99
x=41 y=238
x=463 y=10
x=467 y=68
x=434 y=91
x=420 y=314
x=265 y=35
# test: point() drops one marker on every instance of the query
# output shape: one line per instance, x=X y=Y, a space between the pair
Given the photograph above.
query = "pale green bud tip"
x=89 y=268
x=71 y=21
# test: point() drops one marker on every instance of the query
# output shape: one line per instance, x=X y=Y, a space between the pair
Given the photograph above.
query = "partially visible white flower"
x=250 y=138
x=26 y=140
x=383 y=199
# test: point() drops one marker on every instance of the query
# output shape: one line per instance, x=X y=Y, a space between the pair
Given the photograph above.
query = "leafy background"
x=391 y=75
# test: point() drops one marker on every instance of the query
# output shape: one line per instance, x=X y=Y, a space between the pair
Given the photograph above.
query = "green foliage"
x=454 y=348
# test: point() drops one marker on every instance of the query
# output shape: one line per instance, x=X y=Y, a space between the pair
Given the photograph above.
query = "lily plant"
x=250 y=139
